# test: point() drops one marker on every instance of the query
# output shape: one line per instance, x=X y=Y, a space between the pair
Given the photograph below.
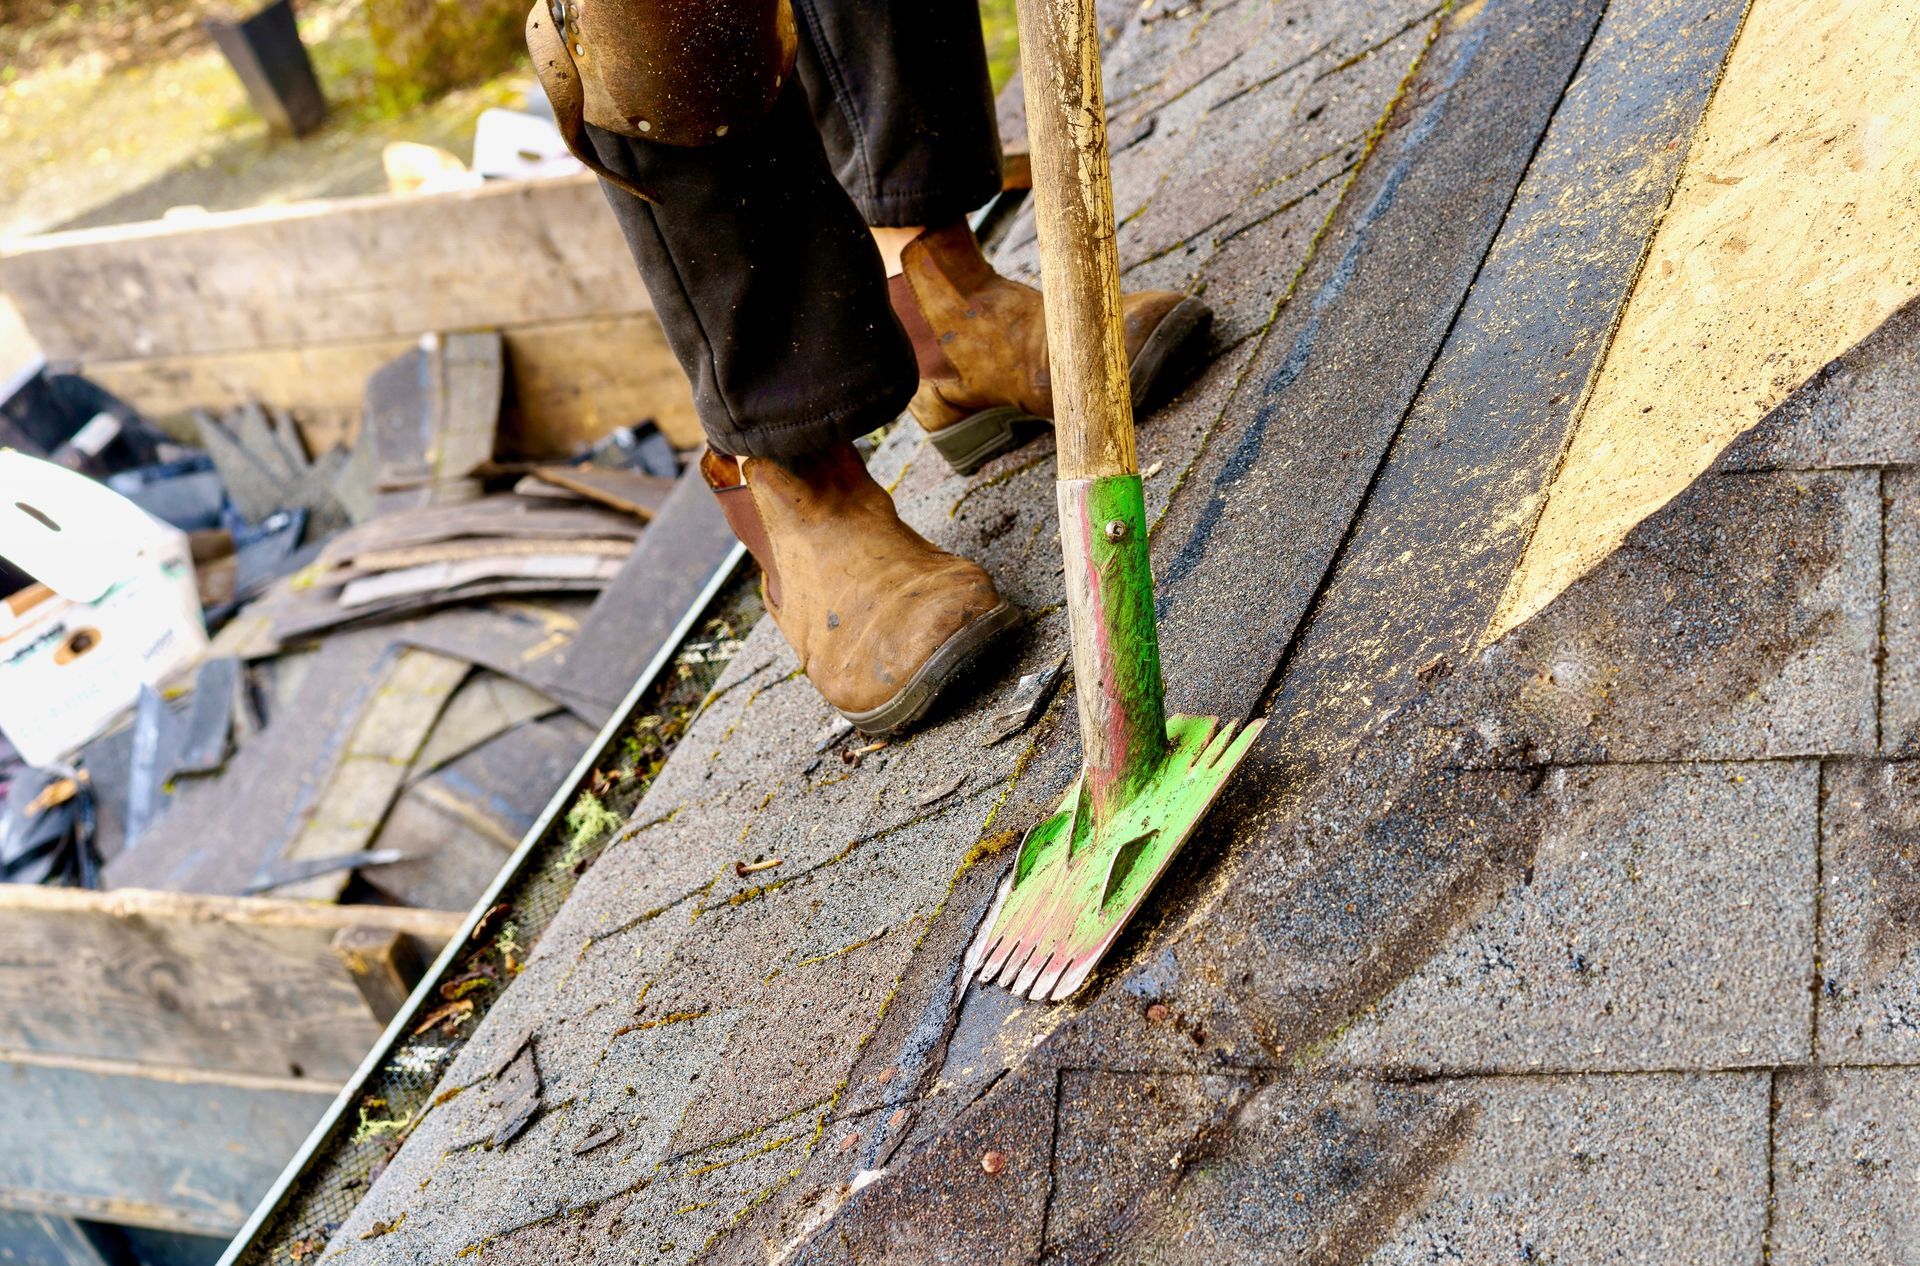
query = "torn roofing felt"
x=1419 y=228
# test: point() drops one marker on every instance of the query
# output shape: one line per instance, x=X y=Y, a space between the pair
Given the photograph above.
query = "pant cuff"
x=801 y=437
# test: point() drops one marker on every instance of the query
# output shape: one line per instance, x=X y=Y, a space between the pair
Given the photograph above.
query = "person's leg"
x=900 y=92
x=767 y=284
x=902 y=98
x=772 y=296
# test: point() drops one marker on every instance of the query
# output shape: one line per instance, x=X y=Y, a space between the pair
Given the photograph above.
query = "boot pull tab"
x=730 y=489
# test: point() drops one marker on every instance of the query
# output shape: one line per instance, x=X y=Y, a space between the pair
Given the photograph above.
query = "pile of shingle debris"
x=415 y=638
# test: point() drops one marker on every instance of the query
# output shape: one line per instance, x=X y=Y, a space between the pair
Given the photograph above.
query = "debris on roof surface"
x=1503 y=948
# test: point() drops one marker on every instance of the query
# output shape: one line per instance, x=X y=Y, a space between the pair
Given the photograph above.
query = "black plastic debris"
x=186 y=492
x=47 y=829
x=72 y=420
x=639 y=447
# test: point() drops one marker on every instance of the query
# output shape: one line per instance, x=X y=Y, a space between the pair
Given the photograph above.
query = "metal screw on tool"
x=1116 y=530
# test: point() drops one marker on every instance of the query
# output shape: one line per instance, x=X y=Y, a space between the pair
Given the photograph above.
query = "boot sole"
x=953 y=658
x=974 y=441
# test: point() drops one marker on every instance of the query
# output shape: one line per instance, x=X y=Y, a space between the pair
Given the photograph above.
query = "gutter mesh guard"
x=351 y=1147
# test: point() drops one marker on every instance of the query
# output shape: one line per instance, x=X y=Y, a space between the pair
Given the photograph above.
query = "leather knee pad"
x=676 y=72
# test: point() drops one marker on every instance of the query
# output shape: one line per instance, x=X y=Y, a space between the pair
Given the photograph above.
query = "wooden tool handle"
x=1079 y=265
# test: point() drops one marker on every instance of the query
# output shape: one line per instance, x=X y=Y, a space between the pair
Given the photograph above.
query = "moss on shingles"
x=588 y=820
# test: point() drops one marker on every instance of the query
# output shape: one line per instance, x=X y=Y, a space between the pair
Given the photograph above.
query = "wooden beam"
x=42 y=1239
x=577 y=381
x=342 y=270
x=570 y=383
x=115 y=1143
x=191 y=982
x=384 y=966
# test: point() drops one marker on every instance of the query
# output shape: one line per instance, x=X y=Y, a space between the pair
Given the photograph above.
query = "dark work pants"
x=757 y=255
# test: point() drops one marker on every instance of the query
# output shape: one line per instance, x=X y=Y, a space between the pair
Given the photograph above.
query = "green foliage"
x=422 y=48
x=1003 y=40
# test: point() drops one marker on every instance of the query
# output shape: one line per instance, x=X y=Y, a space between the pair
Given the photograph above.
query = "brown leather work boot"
x=981 y=342
x=882 y=619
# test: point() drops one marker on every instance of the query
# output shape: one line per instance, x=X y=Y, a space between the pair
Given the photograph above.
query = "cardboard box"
x=115 y=608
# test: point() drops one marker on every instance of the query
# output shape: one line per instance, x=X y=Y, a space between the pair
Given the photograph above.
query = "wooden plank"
x=120 y=1144
x=383 y=964
x=629 y=490
x=348 y=269
x=188 y=980
x=457 y=826
x=44 y=1239
x=371 y=764
x=486 y=705
x=578 y=382
x=570 y=383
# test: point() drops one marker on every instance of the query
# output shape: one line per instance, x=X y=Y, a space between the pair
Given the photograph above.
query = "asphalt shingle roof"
x=1497 y=953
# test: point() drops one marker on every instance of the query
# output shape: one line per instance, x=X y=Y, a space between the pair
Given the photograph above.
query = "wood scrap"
x=504 y=516
x=638 y=494
x=383 y=964
x=437 y=578
x=372 y=754
x=216 y=581
x=431 y=419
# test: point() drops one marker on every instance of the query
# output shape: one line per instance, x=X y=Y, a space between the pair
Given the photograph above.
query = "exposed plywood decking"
x=295 y=306
x=325 y=272
x=120 y=1144
x=573 y=382
x=221 y=985
x=1794 y=232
